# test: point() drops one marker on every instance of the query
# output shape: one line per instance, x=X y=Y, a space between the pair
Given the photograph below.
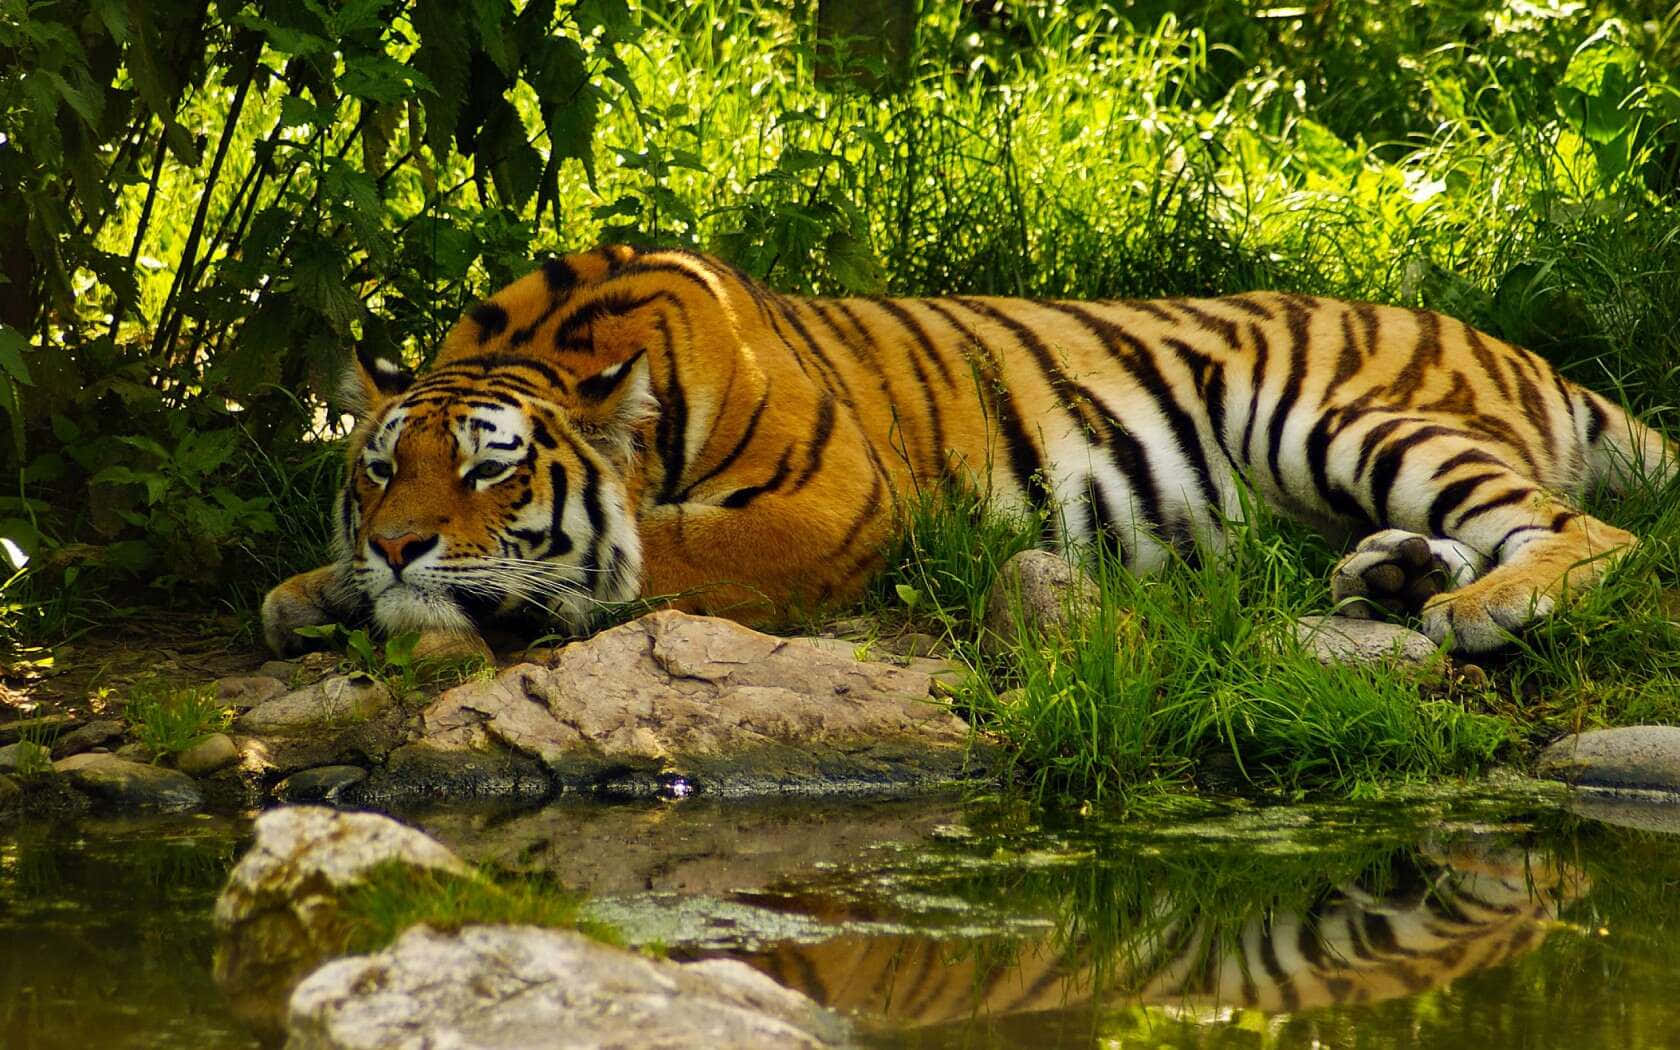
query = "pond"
x=1427 y=922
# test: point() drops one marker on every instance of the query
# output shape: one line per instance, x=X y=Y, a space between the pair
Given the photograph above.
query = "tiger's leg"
x=1461 y=488
x=1548 y=551
x=308 y=599
x=1399 y=571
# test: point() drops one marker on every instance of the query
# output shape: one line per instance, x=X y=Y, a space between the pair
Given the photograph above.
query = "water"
x=1455 y=923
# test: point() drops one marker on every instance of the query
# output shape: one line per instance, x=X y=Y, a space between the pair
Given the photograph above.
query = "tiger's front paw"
x=1486 y=614
x=301 y=601
x=1400 y=572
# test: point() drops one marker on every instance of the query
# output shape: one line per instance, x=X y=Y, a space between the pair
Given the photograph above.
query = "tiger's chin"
x=445 y=630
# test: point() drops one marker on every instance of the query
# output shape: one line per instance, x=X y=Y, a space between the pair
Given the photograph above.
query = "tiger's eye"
x=379 y=470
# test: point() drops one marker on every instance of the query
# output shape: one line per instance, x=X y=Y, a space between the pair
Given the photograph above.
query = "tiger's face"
x=470 y=501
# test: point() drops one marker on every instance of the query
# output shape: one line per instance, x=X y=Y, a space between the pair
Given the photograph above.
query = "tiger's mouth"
x=402 y=607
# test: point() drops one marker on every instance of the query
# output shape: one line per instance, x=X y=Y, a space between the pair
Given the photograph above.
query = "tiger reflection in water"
x=1460 y=911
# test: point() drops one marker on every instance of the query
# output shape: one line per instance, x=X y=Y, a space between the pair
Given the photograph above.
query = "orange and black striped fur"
x=624 y=423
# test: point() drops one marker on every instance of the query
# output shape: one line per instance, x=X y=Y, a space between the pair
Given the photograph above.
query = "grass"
x=394 y=896
x=170 y=719
x=1195 y=678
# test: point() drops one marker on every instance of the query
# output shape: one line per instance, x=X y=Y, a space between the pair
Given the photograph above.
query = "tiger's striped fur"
x=624 y=423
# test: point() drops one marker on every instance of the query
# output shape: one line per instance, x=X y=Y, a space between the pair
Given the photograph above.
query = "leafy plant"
x=395 y=661
x=170 y=719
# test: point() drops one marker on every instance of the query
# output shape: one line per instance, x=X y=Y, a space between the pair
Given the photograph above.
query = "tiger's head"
x=498 y=487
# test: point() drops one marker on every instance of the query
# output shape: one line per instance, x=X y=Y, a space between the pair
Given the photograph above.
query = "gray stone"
x=719 y=706
x=132 y=785
x=281 y=913
x=520 y=987
x=1640 y=758
x=246 y=691
x=41 y=727
x=216 y=751
x=1037 y=593
x=104 y=732
x=343 y=720
x=283 y=670
x=332 y=703
x=1345 y=640
x=321 y=784
x=135 y=751
x=24 y=753
x=421 y=773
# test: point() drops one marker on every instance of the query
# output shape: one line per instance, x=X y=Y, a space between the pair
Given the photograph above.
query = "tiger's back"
x=760 y=442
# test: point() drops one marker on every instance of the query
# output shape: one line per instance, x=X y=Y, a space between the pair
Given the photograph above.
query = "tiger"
x=1450 y=911
x=653 y=425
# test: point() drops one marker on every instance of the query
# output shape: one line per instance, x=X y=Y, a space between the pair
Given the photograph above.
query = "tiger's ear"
x=613 y=405
x=372 y=380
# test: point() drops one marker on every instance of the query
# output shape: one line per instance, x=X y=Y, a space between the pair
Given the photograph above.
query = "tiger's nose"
x=399 y=551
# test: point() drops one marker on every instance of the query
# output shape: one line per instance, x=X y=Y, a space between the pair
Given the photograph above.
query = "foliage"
x=169 y=720
x=395 y=662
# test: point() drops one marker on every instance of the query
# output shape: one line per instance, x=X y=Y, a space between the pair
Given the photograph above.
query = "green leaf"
x=1597 y=92
x=381 y=79
x=319 y=282
x=445 y=64
x=907 y=594
x=853 y=264
x=13 y=346
x=296 y=111
x=285 y=39
x=514 y=164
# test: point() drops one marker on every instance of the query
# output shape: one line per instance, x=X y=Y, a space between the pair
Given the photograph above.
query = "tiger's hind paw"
x=1399 y=572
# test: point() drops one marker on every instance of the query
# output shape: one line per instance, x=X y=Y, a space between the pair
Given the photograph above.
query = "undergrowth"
x=1196 y=675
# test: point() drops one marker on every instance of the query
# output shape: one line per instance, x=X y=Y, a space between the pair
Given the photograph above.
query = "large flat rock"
x=519 y=987
x=131 y=785
x=680 y=703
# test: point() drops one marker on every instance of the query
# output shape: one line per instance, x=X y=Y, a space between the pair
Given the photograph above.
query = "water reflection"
x=105 y=937
x=1390 y=935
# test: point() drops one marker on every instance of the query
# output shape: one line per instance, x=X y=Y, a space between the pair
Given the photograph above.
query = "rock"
x=321 y=784
x=105 y=732
x=281 y=913
x=515 y=987
x=246 y=691
x=1345 y=640
x=135 y=751
x=1638 y=758
x=24 y=753
x=132 y=785
x=724 y=708
x=214 y=752
x=419 y=773
x=343 y=720
x=281 y=670
x=1037 y=591
x=332 y=703
x=38 y=728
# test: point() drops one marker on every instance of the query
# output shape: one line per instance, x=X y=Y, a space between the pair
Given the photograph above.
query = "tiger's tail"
x=1624 y=454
